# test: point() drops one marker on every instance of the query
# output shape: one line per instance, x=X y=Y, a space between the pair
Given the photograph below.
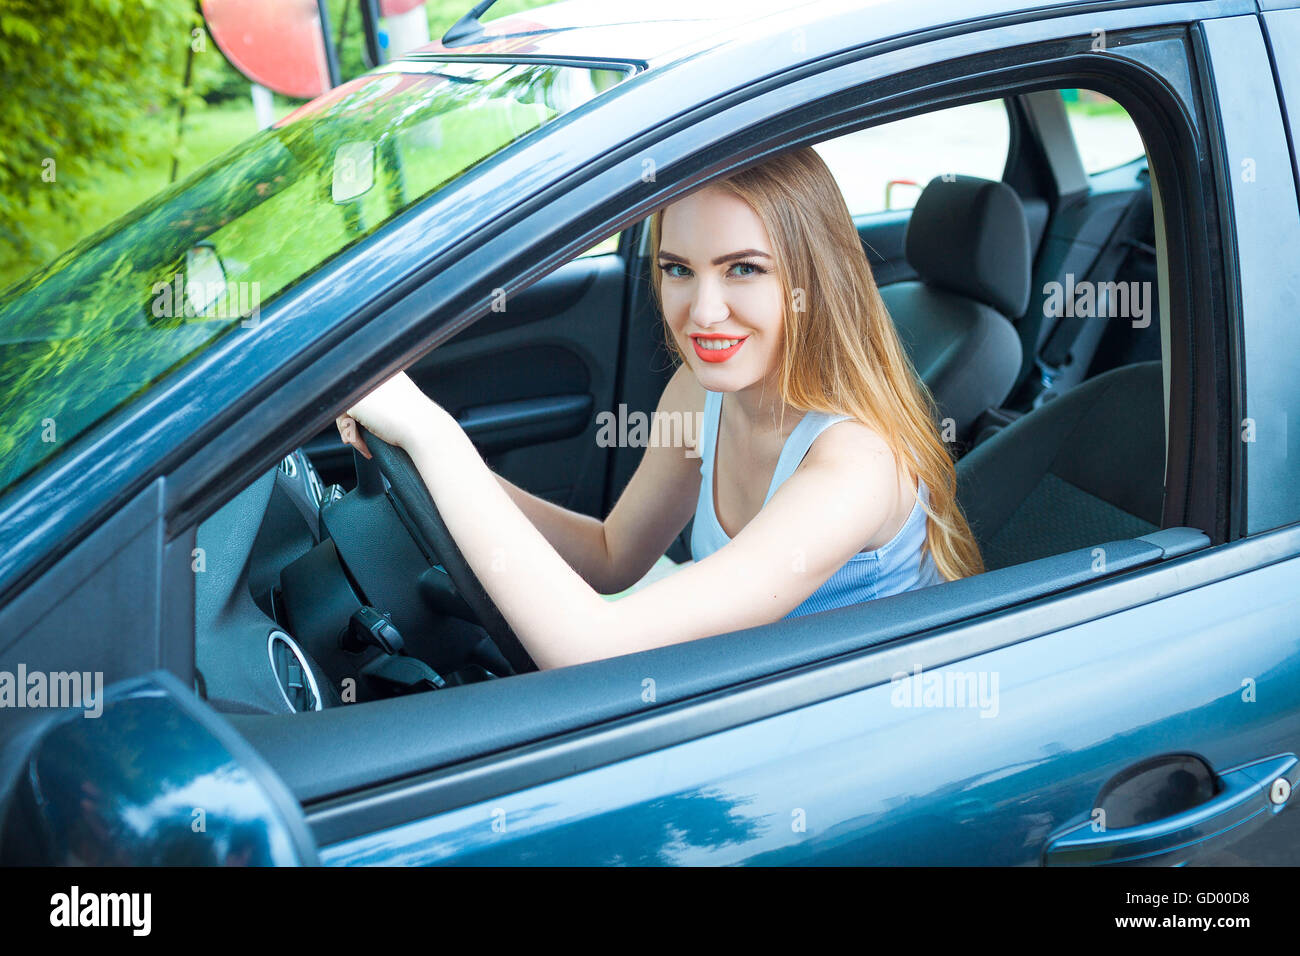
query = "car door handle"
x=1248 y=797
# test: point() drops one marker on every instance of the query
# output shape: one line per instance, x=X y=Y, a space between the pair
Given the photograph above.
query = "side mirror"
x=354 y=171
x=127 y=787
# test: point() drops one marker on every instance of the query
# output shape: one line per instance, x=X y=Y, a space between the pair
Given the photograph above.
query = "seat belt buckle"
x=1047 y=375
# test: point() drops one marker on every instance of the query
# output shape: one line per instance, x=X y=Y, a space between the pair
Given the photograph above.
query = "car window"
x=606 y=245
x=112 y=315
x=1103 y=131
x=886 y=167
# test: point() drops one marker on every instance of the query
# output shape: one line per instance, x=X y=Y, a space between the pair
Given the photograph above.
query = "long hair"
x=841 y=353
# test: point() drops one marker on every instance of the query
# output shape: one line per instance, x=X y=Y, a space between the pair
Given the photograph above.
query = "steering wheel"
x=413 y=495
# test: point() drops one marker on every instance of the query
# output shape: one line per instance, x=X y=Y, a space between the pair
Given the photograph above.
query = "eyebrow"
x=742 y=254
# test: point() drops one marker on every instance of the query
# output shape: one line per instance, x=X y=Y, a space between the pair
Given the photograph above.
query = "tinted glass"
x=108 y=318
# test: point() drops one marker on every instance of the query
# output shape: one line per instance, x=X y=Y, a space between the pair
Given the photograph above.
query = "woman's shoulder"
x=848 y=438
x=857 y=449
x=864 y=460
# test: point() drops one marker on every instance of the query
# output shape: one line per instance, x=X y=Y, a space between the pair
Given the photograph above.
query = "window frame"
x=1248 y=124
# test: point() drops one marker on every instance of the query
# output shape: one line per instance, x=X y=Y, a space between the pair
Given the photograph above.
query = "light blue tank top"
x=890 y=569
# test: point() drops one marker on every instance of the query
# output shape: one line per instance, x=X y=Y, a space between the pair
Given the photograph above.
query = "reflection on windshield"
x=108 y=318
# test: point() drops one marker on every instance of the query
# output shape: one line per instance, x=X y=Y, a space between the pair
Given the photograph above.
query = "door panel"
x=485 y=718
x=1014 y=748
x=526 y=383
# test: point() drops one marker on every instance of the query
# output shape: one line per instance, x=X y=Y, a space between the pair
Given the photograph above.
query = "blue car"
x=227 y=639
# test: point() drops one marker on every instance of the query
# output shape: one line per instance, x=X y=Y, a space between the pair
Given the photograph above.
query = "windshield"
x=108 y=318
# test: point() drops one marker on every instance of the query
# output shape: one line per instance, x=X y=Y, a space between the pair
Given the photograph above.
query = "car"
x=212 y=610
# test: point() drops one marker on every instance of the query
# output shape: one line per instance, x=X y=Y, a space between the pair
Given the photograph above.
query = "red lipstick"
x=717 y=355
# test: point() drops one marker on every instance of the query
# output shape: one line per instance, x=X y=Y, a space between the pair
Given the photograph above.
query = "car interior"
x=328 y=580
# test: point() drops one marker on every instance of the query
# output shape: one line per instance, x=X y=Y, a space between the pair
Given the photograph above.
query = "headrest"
x=969 y=236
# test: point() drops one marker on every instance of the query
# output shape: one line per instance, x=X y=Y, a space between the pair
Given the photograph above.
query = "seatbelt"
x=1056 y=354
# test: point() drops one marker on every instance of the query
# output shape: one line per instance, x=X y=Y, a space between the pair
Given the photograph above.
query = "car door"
x=1009 y=732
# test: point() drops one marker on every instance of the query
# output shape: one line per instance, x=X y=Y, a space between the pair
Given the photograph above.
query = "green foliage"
x=214 y=79
x=95 y=89
x=78 y=80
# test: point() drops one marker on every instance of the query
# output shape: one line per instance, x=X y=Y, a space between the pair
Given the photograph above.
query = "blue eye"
x=748 y=269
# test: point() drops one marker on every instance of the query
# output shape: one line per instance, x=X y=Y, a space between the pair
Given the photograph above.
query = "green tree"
x=78 y=78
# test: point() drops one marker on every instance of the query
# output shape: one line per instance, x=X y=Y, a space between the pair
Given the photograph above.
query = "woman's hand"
x=397 y=411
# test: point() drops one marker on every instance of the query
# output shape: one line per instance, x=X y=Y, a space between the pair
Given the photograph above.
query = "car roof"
x=669 y=30
x=632 y=32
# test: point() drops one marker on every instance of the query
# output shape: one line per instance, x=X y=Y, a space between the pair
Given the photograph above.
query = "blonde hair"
x=841 y=353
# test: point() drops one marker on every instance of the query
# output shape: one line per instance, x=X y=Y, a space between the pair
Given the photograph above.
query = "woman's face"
x=722 y=297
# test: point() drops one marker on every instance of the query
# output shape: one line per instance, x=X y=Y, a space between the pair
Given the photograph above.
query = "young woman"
x=818 y=479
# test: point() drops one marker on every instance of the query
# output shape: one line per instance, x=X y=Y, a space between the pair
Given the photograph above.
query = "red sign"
x=276 y=43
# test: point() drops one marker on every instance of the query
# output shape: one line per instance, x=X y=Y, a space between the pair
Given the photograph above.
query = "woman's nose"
x=708 y=306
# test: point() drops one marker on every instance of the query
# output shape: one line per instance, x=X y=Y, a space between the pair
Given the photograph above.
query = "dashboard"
x=245 y=656
x=308 y=598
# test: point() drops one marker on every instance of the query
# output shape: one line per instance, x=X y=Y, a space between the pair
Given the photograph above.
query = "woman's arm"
x=837 y=500
x=579 y=538
x=614 y=554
